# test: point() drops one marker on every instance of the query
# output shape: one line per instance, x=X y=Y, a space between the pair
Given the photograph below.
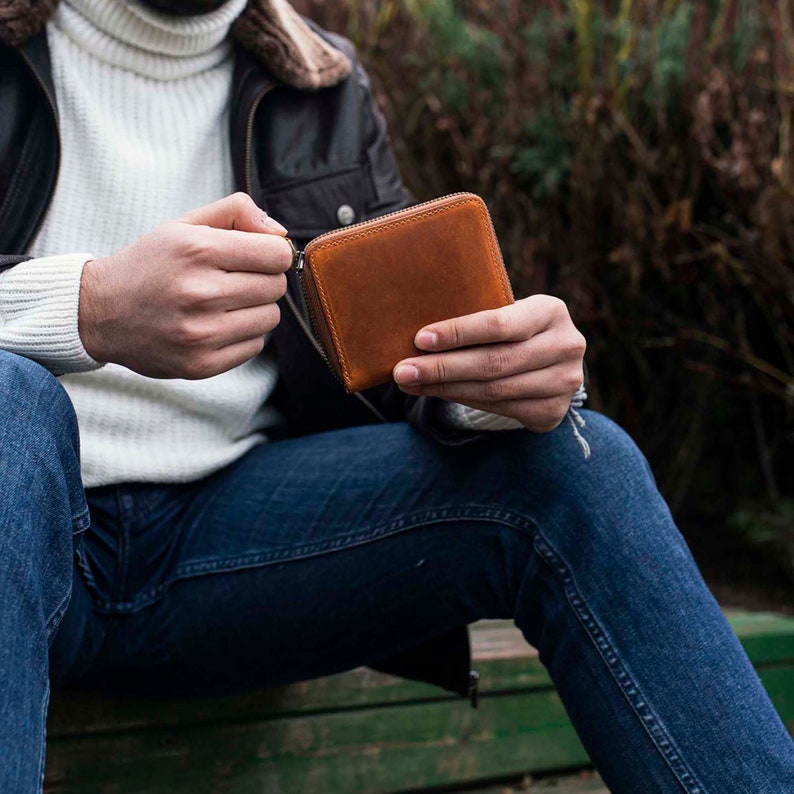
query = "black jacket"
x=301 y=155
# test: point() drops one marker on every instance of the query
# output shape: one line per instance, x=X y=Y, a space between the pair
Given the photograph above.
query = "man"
x=250 y=523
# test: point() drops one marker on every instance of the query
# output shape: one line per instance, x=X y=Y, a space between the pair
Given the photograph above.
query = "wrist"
x=89 y=311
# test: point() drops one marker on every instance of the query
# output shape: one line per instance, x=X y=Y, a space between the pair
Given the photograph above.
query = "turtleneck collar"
x=139 y=39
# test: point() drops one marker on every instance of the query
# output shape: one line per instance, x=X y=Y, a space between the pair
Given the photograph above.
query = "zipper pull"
x=474 y=688
x=298 y=257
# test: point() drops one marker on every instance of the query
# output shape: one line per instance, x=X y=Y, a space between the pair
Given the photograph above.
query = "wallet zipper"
x=311 y=331
x=299 y=257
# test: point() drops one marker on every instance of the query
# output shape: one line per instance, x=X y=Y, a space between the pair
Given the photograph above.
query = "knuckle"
x=572 y=347
x=257 y=346
x=271 y=317
x=496 y=324
x=241 y=201
x=193 y=292
x=280 y=285
x=284 y=258
x=198 y=368
x=439 y=371
x=557 y=306
x=574 y=380
x=494 y=390
x=496 y=362
x=450 y=335
x=548 y=414
x=197 y=246
x=188 y=333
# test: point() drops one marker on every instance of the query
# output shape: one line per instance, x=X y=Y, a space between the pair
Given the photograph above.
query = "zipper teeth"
x=249 y=127
x=381 y=218
x=319 y=348
x=314 y=325
x=308 y=331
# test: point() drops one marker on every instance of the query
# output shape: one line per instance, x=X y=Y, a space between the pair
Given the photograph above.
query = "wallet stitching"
x=329 y=318
x=494 y=259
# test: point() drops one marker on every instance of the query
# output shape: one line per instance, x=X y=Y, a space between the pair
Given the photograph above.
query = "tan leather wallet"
x=371 y=286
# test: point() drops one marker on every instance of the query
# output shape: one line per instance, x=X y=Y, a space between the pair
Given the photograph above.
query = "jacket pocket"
x=314 y=205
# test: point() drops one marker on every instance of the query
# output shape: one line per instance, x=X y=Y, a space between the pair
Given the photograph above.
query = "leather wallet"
x=371 y=286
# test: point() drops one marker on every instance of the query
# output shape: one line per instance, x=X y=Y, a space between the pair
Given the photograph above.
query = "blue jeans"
x=315 y=555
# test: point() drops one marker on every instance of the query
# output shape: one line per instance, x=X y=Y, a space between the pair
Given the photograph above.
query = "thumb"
x=238 y=211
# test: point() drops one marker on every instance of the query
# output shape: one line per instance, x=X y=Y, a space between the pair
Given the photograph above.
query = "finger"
x=552 y=382
x=483 y=362
x=223 y=360
x=240 y=290
x=236 y=251
x=515 y=322
x=540 y=416
x=238 y=211
x=245 y=324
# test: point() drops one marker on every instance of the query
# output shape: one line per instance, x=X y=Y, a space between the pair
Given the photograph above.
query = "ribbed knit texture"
x=143 y=102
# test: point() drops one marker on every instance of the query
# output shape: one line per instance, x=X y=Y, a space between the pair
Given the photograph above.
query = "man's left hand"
x=523 y=361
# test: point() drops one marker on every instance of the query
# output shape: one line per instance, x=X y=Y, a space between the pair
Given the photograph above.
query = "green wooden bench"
x=352 y=733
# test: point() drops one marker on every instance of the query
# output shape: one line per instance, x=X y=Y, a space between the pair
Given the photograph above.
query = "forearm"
x=39 y=306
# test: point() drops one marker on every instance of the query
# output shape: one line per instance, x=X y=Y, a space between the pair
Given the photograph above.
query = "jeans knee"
x=34 y=405
x=605 y=506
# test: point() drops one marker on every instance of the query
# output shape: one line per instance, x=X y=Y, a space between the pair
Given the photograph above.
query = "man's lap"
x=298 y=550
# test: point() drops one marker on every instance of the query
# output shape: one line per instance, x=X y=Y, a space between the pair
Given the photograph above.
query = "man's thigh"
x=307 y=557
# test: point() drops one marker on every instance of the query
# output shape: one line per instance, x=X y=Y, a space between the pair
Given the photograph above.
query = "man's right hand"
x=191 y=299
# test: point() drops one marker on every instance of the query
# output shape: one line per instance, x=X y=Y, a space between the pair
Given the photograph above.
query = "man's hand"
x=191 y=299
x=523 y=361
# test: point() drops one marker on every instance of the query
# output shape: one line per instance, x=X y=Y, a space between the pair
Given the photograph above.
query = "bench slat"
x=357 y=732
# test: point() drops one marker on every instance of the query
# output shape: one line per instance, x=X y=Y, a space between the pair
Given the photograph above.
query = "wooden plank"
x=384 y=750
x=766 y=637
x=359 y=732
x=371 y=750
x=501 y=655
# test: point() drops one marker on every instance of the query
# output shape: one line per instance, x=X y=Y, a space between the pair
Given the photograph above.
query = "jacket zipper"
x=249 y=129
x=54 y=113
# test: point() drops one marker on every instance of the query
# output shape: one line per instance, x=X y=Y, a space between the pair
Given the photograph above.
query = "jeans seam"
x=81 y=521
x=291 y=554
x=627 y=684
x=42 y=751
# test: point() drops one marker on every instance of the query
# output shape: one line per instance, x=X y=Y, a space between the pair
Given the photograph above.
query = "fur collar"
x=271 y=29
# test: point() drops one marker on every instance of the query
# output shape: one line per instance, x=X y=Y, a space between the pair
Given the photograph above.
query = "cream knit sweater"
x=143 y=103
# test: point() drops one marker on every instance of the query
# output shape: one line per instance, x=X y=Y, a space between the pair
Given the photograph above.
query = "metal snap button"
x=345 y=215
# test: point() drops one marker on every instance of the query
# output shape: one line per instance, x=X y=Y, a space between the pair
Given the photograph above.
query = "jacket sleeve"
x=39 y=304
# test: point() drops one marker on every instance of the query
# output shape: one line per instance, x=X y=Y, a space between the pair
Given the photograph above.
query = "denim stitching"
x=58 y=613
x=291 y=553
x=631 y=690
x=81 y=521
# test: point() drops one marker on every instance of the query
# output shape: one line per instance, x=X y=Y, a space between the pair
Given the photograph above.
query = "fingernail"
x=406 y=373
x=426 y=340
x=272 y=225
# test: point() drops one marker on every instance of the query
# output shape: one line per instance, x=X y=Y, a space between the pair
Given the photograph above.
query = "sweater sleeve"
x=455 y=416
x=462 y=417
x=39 y=301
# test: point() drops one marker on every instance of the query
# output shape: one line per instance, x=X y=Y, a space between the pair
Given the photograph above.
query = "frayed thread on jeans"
x=577 y=420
